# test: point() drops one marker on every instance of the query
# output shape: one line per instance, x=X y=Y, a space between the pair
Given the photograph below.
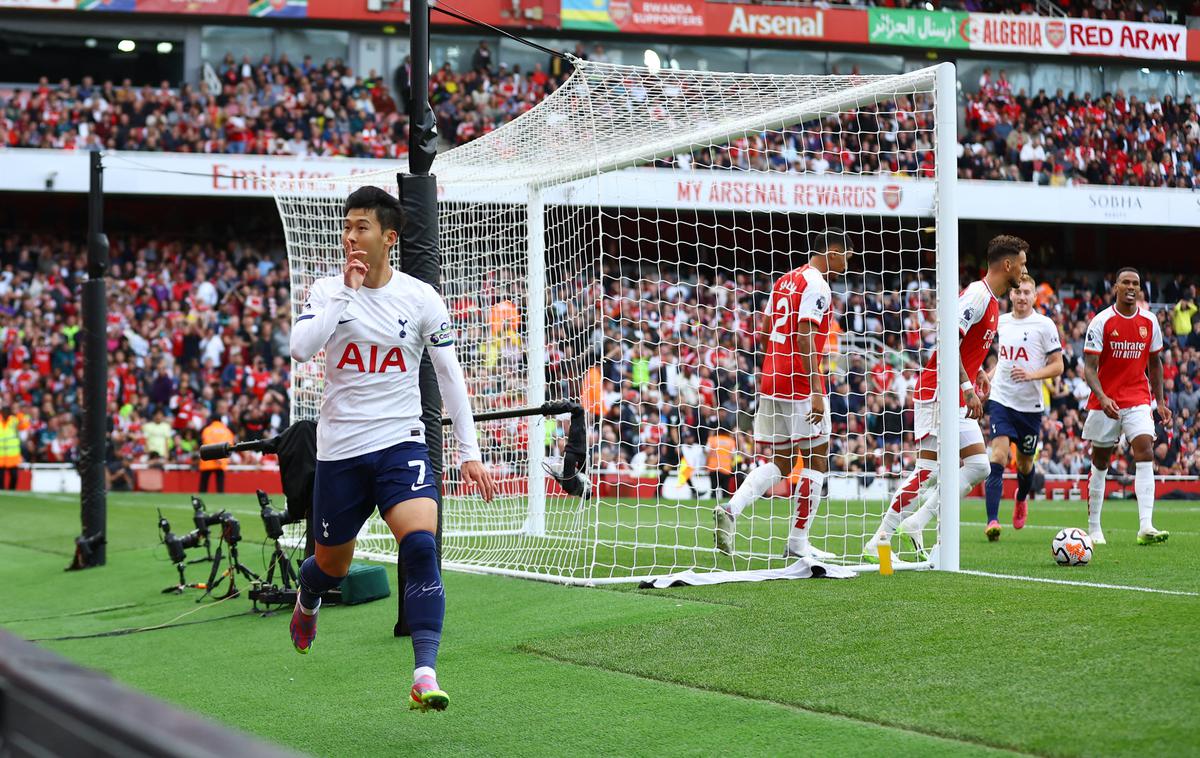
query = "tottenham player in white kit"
x=374 y=324
x=1030 y=351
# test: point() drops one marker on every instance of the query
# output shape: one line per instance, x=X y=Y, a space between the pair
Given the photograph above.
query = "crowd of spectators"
x=681 y=353
x=1061 y=140
x=195 y=331
x=280 y=108
x=199 y=331
x=269 y=107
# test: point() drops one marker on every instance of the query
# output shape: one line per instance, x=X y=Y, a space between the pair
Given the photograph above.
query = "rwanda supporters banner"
x=886 y=26
x=123 y=6
x=279 y=8
x=656 y=16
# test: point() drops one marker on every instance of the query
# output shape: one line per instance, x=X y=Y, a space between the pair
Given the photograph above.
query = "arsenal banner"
x=1074 y=36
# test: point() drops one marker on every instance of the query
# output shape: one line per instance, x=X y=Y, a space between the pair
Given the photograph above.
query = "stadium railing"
x=54 y=707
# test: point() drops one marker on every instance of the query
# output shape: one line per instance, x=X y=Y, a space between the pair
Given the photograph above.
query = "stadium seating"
x=1063 y=139
x=183 y=350
x=277 y=108
x=271 y=108
x=221 y=346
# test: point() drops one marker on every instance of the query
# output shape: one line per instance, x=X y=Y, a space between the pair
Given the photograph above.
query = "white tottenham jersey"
x=1024 y=342
x=372 y=397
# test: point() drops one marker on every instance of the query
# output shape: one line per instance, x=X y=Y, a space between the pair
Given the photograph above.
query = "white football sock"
x=927 y=510
x=798 y=536
x=974 y=469
x=1143 y=487
x=1096 y=497
x=757 y=482
x=424 y=671
x=891 y=520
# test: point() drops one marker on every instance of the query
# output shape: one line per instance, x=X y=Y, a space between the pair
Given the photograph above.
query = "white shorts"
x=1106 y=432
x=925 y=423
x=779 y=422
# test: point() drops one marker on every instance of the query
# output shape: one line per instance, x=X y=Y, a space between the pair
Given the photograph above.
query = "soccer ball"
x=1071 y=547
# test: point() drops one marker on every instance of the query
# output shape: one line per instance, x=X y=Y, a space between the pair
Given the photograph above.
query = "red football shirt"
x=978 y=316
x=1124 y=344
x=800 y=295
x=41 y=360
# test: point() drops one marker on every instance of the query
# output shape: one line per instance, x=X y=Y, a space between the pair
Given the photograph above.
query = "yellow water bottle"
x=885 y=559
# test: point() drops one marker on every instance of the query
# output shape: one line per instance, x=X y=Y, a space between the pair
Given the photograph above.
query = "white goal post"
x=616 y=246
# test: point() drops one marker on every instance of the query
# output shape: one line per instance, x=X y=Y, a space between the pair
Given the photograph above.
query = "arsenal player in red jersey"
x=793 y=414
x=978 y=317
x=1123 y=341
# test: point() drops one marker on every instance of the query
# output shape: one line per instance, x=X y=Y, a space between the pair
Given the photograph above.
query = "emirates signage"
x=168 y=175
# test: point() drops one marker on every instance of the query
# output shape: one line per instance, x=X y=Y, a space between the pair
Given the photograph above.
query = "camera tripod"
x=287 y=571
x=266 y=592
x=235 y=567
x=183 y=585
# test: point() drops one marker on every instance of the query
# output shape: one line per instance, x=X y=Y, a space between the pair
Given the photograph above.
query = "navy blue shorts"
x=1020 y=427
x=347 y=491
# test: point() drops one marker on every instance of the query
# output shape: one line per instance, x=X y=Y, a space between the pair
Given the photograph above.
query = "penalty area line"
x=1099 y=585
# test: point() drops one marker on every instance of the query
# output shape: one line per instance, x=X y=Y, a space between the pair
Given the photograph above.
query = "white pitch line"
x=41 y=495
x=1099 y=585
x=1076 y=505
x=1057 y=528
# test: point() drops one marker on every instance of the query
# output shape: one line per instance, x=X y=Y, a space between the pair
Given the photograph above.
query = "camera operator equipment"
x=177 y=548
x=266 y=592
x=296 y=447
x=203 y=521
x=231 y=535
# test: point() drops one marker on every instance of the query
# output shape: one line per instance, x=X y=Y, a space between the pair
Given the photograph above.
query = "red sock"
x=802 y=502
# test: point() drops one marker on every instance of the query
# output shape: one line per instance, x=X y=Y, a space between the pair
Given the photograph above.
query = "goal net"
x=616 y=245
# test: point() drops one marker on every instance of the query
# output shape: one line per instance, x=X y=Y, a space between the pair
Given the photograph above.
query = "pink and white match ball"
x=1071 y=547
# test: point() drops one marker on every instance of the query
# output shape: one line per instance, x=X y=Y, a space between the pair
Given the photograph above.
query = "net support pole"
x=93 y=501
x=947 y=312
x=535 y=522
x=420 y=253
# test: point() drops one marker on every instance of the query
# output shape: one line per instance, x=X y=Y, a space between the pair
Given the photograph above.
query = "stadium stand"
x=695 y=386
x=179 y=351
x=272 y=107
x=1065 y=139
x=678 y=362
x=277 y=108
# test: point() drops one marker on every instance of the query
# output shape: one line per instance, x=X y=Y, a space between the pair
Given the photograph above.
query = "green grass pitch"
x=919 y=663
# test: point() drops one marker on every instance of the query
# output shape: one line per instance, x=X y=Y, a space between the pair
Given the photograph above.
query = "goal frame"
x=546 y=188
